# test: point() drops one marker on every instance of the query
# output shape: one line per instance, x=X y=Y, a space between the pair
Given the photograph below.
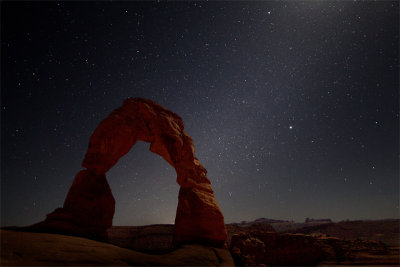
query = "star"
x=239 y=83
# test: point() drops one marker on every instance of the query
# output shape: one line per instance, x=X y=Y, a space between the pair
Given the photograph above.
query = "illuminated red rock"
x=198 y=219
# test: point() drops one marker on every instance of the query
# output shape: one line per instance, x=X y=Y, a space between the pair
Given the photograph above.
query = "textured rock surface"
x=257 y=248
x=198 y=219
x=386 y=231
x=24 y=249
x=234 y=229
x=152 y=239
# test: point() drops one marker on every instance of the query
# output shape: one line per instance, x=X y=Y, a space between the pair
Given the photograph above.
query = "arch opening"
x=143 y=183
x=89 y=206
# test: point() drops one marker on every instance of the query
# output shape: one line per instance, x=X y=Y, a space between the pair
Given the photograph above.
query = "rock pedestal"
x=88 y=209
x=89 y=206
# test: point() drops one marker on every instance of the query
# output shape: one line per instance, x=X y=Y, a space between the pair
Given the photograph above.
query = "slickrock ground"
x=250 y=244
x=23 y=248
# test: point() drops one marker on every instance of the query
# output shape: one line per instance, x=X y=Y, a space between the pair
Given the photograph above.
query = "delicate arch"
x=198 y=216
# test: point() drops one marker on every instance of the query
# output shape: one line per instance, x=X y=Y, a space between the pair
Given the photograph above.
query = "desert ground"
x=255 y=243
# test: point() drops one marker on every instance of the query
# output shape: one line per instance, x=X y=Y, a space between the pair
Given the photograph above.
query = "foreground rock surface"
x=89 y=207
x=23 y=249
x=250 y=244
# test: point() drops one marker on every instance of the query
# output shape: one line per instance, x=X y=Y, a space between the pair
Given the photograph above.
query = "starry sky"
x=292 y=106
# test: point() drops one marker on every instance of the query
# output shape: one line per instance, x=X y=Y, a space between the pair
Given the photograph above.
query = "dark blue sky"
x=292 y=106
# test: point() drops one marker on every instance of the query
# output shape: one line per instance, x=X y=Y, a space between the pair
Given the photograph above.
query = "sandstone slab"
x=40 y=249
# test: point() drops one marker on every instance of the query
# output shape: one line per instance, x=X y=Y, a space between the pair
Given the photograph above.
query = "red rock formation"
x=198 y=218
x=88 y=208
x=256 y=248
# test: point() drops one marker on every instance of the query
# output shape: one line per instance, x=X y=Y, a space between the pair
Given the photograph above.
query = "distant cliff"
x=309 y=220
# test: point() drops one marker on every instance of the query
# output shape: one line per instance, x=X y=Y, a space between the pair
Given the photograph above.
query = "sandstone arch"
x=89 y=206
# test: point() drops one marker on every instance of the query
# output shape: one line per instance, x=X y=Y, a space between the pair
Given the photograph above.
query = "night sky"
x=292 y=106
